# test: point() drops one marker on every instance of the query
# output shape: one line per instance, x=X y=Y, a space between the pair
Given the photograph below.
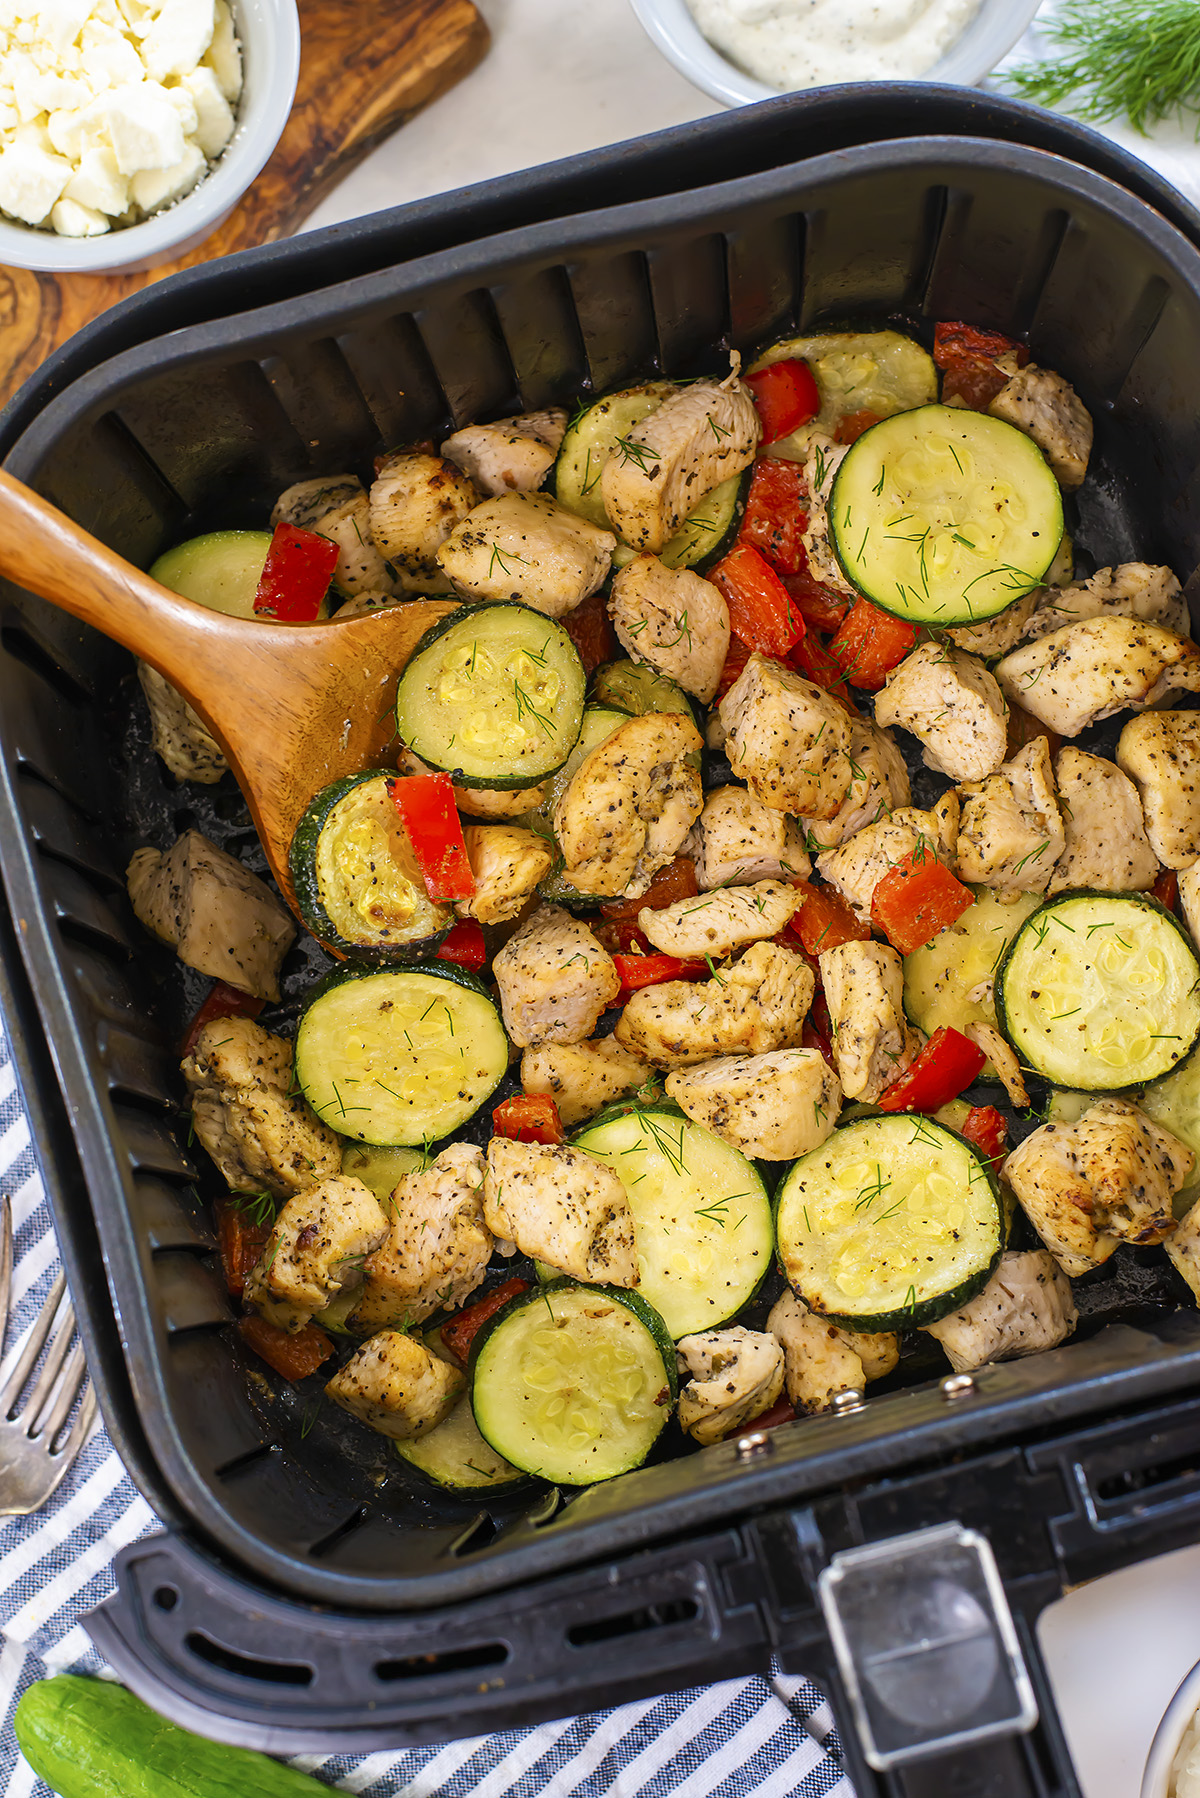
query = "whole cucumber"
x=88 y=1738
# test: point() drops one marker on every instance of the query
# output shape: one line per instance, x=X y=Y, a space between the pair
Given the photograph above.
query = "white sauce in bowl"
x=811 y=43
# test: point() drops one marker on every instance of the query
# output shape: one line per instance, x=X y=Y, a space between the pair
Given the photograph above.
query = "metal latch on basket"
x=925 y=1644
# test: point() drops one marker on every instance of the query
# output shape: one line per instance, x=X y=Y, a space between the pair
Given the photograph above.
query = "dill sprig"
x=1138 y=59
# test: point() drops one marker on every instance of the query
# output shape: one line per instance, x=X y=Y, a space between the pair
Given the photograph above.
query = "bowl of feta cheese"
x=129 y=129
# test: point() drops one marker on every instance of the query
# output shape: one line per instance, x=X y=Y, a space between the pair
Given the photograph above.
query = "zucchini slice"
x=590 y=440
x=379 y=1166
x=708 y=531
x=945 y=982
x=1174 y=1104
x=456 y=1456
x=492 y=694
x=636 y=688
x=220 y=570
x=1100 y=992
x=356 y=879
x=573 y=1383
x=944 y=516
x=892 y=1223
x=701 y=1213
x=882 y=372
x=399 y=1055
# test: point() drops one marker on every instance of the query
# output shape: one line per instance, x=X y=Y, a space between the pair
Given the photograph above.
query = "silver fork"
x=36 y=1450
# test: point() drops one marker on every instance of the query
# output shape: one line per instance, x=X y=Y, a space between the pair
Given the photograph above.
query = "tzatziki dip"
x=812 y=43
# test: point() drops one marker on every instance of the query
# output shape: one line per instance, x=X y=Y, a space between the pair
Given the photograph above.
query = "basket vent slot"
x=1120 y=1486
x=328 y=1543
x=25 y=648
x=247 y=1666
x=458 y=1660
x=634 y=1623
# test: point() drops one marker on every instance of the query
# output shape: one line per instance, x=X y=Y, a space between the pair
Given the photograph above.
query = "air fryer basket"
x=1073 y=1461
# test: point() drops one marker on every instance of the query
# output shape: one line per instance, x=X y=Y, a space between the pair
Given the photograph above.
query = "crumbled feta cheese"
x=214 y=115
x=224 y=55
x=61 y=21
x=185 y=106
x=152 y=188
x=99 y=183
x=31 y=180
x=144 y=128
x=110 y=59
x=70 y=219
x=179 y=37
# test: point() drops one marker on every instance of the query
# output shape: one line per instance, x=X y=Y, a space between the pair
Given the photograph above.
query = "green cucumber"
x=1100 y=992
x=893 y=1222
x=882 y=372
x=573 y=1383
x=590 y=440
x=962 y=960
x=636 y=688
x=456 y=1456
x=220 y=570
x=399 y=1055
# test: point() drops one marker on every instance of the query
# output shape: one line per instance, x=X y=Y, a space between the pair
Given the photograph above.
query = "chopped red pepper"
x=811 y=659
x=1023 y=727
x=528 y=1117
x=916 y=899
x=621 y=936
x=241 y=1239
x=761 y=612
x=967 y=357
x=460 y=1332
x=811 y=1038
x=637 y=971
x=776 y=515
x=293 y=1357
x=425 y=803
x=786 y=396
x=591 y=632
x=850 y=428
x=222 y=1002
x=295 y=576
x=870 y=644
x=782 y=1411
x=826 y=921
x=1166 y=889
x=736 y=657
x=948 y=1063
x=676 y=881
x=821 y=607
x=464 y=945
x=985 y=1128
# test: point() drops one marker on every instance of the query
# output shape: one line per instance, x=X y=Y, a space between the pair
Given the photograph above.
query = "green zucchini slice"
x=882 y=372
x=399 y=1055
x=636 y=688
x=946 y=981
x=492 y=694
x=380 y=1166
x=220 y=570
x=1174 y=1104
x=708 y=531
x=892 y=1223
x=590 y=440
x=456 y=1456
x=701 y=1213
x=1100 y=992
x=573 y=1383
x=356 y=879
x=944 y=516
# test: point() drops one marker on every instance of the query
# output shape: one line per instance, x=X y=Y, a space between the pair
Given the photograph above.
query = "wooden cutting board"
x=365 y=67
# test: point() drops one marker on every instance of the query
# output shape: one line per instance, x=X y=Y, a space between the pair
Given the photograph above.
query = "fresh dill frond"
x=1134 y=59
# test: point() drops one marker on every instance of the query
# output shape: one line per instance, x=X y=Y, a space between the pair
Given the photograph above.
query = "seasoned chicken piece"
x=1161 y=754
x=822 y=462
x=394 y=1384
x=582 y=1078
x=1048 y=409
x=244 y=1113
x=1139 y=590
x=337 y=507
x=436 y=1249
x=668 y=463
x=872 y=1043
x=737 y=1374
x=787 y=739
x=738 y=840
x=526 y=546
x=1085 y=672
x=1026 y=1306
x=507 y=864
x=1106 y=843
x=1189 y=899
x=878 y=786
x=554 y=978
x=497 y=804
x=627 y=808
x=416 y=501
x=317 y=1247
x=1109 y=1178
x=563 y=1207
x=950 y=702
x=218 y=917
x=674 y=620
x=756 y=1005
x=510 y=453
x=1000 y=1053
x=1183 y=1247
x=181 y=738
x=857 y=867
x=1011 y=831
x=717 y=923
x=774 y=1106
x=821 y=1360
x=996 y=636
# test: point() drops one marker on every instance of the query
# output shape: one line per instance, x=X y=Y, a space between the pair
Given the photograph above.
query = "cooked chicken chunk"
x=316 y=1247
x=1189 y=899
x=396 y=1386
x=563 y=1207
x=1085 y=672
x=181 y=738
x=1048 y=409
x=1106 y=843
x=497 y=804
x=821 y=1360
x=1109 y=1178
x=674 y=620
x=737 y=1374
x=718 y=923
x=627 y=808
x=1011 y=831
x=337 y=507
x=996 y=636
x=667 y=464
x=218 y=917
x=1132 y=590
x=510 y=453
x=787 y=739
x=507 y=864
x=822 y=462
x=416 y=501
x=436 y=1249
x=259 y=1133
x=878 y=786
x=757 y=1005
x=857 y=867
x=1025 y=1307
x=775 y=1106
x=738 y=840
x=582 y=1078
x=1183 y=1246
x=526 y=546
x=872 y=1043
x=1161 y=754
x=554 y=980
x=950 y=702
x=1000 y=1053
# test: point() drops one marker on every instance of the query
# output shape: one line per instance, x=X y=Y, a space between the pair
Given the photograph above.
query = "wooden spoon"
x=293 y=706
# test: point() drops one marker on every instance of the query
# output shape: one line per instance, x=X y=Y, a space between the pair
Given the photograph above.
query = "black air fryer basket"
x=309 y=1593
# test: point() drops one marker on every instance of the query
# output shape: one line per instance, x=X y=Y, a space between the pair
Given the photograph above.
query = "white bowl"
x=270 y=34
x=989 y=37
x=1169 y=1734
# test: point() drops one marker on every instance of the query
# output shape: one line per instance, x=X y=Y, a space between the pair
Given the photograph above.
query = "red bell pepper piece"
x=295 y=576
x=736 y=657
x=292 y=1357
x=461 y=1330
x=826 y=921
x=870 y=644
x=464 y=946
x=1166 y=889
x=637 y=971
x=241 y=1239
x=786 y=396
x=967 y=357
x=425 y=803
x=985 y=1128
x=821 y=607
x=222 y=1002
x=528 y=1117
x=948 y=1062
x=761 y=612
x=850 y=428
x=1023 y=727
x=782 y=1411
x=776 y=515
x=811 y=659
x=591 y=632
x=621 y=937
x=916 y=899
x=676 y=881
